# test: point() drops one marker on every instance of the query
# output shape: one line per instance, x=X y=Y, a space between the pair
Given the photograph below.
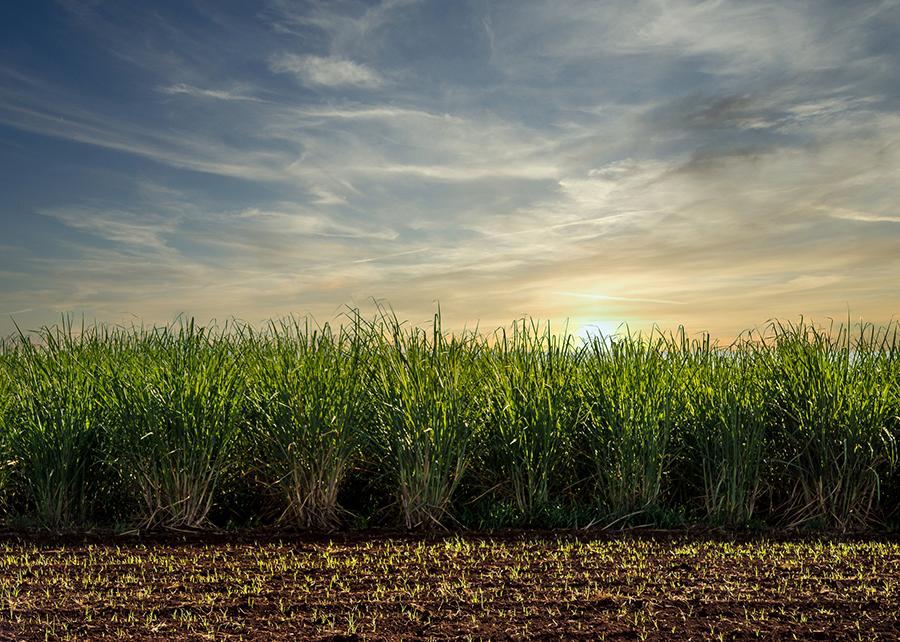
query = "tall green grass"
x=176 y=400
x=795 y=425
x=307 y=414
x=835 y=401
x=5 y=422
x=724 y=431
x=530 y=411
x=55 y=421
x=631 y=391
x=423 y=391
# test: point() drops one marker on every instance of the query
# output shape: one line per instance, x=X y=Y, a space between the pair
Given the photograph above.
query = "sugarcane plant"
x=308 y=411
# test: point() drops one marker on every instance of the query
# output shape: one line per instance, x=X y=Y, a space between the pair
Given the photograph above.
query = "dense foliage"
x=378 y=422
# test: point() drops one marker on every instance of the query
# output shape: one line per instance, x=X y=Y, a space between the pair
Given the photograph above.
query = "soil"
x=500 y=586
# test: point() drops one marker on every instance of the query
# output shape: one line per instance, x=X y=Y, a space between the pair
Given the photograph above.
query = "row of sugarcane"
x=376 y=421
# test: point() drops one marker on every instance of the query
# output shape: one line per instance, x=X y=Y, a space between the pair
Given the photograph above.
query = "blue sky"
x=707 y=163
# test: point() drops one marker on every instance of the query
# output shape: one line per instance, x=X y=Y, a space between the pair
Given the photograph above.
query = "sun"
x=598 y=327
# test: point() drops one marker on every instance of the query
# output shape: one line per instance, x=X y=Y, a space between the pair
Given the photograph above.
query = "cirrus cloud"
x=325 y=72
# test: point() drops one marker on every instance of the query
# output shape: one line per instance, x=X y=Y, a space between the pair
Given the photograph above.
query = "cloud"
x=468 y=172
x=326 y=72
x=347 y=26
x=376 y=113
x=729 y=38
x=122 y=227
x=862 y=217
x=804 y=282
x=186 y=149
x=709 y=163
x=197 y=92
x=607 y=297
x=293 y=220
x=392 y=256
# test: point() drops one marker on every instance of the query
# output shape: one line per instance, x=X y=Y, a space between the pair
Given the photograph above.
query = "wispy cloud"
x=186 y=149
x=392 y=256
x=326 y=72
x=463 y=172
x=297 y=220
x=709 y=163
x=607 y=297
x=803 y=282
x=122 y=227
x=863 y=217
x=376 y=112
x=729 y=38
x=198 y=92
x=347 y=26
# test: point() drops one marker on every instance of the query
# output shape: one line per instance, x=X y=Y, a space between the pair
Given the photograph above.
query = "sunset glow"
x=711 y=164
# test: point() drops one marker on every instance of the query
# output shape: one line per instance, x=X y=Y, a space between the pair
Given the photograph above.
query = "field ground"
x=515 y=585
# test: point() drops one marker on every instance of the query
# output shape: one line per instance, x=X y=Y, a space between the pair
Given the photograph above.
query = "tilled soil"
x=542 y=585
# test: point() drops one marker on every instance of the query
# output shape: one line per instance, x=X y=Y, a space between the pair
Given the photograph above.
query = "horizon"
x=711 y=165
x=379 y=314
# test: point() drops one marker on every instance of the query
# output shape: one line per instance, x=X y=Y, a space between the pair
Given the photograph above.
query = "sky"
x=711 y=164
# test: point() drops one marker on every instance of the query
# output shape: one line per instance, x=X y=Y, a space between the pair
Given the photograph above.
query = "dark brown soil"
x=391 y=587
